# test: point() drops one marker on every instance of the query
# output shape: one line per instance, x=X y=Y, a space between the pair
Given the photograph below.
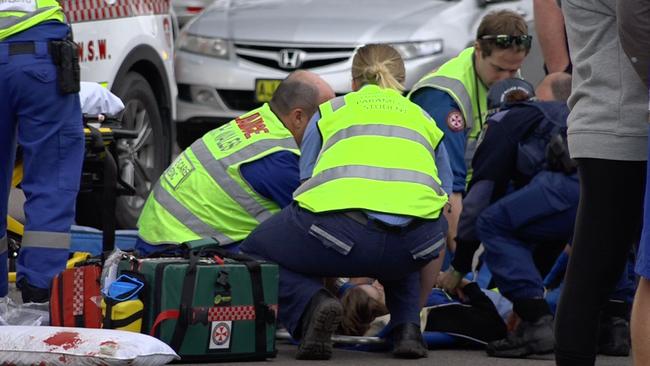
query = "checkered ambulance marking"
x=89 y=10
x=78 y=292
x=244 y=312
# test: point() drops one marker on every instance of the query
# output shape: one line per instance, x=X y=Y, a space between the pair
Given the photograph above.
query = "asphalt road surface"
x=448 y=357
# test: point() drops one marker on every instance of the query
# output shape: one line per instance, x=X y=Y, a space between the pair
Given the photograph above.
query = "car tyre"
x=143 y=159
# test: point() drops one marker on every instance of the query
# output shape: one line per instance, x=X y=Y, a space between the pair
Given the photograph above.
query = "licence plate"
x=264 y=89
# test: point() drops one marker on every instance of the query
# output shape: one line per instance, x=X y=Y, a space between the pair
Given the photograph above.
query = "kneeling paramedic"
x=235 y=176
x=40 y=111
x=369 y=206
x=524 y=144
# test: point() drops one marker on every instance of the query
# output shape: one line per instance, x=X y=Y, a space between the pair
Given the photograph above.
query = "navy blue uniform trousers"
x=309 y=247
x=48 y=127
x=541 y=212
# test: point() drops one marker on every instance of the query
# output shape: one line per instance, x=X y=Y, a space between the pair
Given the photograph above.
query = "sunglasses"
x=506 y=41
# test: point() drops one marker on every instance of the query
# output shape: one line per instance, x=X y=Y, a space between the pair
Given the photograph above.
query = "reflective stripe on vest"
x=4 y=244
x=216 y=169
x=202 y=194
x=456 y=90
x=16 y=17
x=186 y=217
x=369 y=172
x=45 y=239
x=377 y=154
x=457 y=77
x=376 y=130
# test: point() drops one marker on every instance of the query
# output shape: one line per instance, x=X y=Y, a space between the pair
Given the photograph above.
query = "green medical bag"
x=213 y=305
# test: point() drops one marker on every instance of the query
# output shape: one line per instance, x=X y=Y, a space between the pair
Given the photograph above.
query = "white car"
x=231 y=57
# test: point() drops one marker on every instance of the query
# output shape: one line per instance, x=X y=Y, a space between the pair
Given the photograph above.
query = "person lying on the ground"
x=468 y=313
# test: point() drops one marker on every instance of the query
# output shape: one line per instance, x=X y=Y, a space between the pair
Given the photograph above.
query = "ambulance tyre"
x=143 y=159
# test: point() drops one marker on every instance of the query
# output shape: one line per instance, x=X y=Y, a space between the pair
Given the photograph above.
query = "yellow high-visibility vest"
x=202 y=194
x=378 y=154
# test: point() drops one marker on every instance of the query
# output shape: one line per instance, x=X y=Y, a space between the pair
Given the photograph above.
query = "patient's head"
x=361 y=305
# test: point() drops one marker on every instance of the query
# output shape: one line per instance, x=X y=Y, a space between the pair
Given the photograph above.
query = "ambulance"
x=127 y=46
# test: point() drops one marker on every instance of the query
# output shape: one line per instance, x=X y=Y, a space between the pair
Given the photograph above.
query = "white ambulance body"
x=127 y=46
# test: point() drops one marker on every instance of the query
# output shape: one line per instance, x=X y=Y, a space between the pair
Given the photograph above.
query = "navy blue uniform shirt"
x=46 y=30
x=495 y=168
x=274 y=176
x=439 y=105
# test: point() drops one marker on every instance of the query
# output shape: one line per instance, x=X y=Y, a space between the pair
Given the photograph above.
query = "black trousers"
x=608 y=225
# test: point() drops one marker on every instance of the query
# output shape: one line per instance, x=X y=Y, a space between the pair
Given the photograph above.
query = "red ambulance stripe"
x=86 y=10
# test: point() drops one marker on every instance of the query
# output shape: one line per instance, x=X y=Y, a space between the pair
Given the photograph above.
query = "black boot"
x=614 y=337
x=528 y=339
x=408 y=342
x=30 y=293
x=318 y=323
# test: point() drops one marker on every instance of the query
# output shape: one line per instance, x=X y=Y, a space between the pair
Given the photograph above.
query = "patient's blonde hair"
x=378 y=64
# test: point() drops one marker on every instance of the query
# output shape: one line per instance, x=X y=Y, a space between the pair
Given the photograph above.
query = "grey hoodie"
x=609 y=102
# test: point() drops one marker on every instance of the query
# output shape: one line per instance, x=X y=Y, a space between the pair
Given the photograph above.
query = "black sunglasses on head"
x=506 y=41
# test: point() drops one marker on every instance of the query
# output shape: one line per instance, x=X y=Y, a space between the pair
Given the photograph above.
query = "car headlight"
x=214 y=47
x=410 y=50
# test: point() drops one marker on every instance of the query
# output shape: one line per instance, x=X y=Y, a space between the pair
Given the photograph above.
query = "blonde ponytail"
x=378 y=64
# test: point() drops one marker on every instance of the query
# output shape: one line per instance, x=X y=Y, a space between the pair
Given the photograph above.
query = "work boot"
x=30 y=293
x=318 y=324
x=614 y=337
x=528 y=339
x=408 y=342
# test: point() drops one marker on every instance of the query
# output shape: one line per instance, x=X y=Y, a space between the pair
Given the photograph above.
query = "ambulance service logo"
x=455 y=121
x=220 y=335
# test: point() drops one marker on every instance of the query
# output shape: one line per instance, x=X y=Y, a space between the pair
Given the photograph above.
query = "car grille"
x=242 y=100
x=293 y=56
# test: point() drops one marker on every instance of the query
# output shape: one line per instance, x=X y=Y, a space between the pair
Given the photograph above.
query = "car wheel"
x=141 y=160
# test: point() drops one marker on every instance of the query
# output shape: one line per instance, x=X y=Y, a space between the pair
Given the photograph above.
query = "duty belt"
x=25 y=48
x=363 y=219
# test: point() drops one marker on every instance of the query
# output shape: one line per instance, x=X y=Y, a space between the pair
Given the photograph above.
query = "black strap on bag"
x=110 y=323
x=263 y=313
x=109 y=189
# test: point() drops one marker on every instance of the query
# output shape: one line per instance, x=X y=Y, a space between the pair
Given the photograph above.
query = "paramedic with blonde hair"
x=369 y=206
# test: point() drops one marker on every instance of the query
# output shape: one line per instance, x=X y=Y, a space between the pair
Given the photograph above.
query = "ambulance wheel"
x=141 y=160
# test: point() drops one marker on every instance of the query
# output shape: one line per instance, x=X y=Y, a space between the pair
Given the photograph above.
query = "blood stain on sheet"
x=66 y=340
x=108 y=344
x=108 y=348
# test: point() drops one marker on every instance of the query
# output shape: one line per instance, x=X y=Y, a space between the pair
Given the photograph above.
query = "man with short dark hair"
x=237 y=175
x=455 y=95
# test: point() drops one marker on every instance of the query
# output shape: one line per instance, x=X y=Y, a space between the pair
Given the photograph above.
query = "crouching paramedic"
x=39 y=110
x=455 y=95
x=523 y=144
x=370 y=207
x=235 y=176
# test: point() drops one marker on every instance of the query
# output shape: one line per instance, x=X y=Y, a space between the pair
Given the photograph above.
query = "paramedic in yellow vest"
x=369 y=205
x=40 y=111
x=235 y=176
x=455 y=95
